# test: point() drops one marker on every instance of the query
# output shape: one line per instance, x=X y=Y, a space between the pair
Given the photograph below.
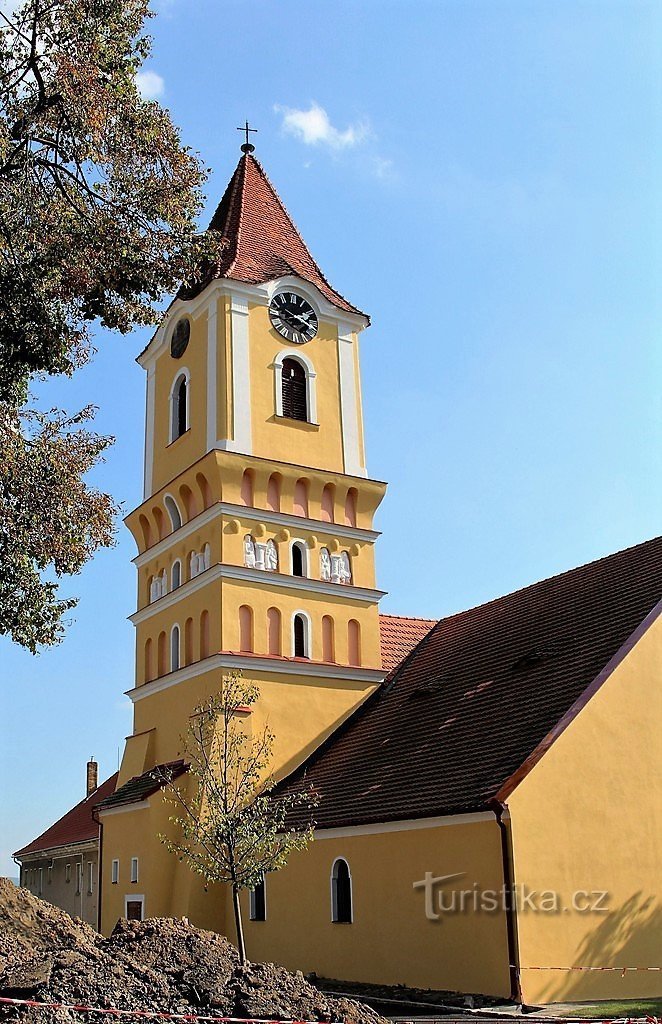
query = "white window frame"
x=181 y=372
x=90 y=877
x=251 y=901
x=114 y=872
x=334 y=901
x=307 y=636
x=178 y=564
x=311 y=377
x=300 y=542
x=130 y=898
x=134 y=873
x=175 y=667
x=79 y=877
x=67 y=872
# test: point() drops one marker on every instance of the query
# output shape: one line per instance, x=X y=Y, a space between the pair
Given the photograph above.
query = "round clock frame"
x=293 y=317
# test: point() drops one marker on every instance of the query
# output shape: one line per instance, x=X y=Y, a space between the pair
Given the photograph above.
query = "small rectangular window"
x=41 y=880
x=258 y=902
x=67 y=873
x=134 y=869
x=90 y=877
x=50 y=874
x=79 y=879
x=115 y=872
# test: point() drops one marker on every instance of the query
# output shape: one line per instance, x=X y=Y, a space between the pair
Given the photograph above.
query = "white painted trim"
x=114 y=873
x=311 y=386
x=212 y=384
x=130 y=898
x=138 y=805
x=222 y=571
x=134 y=861
x=149 y=431
x=406 y=825
x=260 y=294
x=258 y=515
x=182 y=371
x=307 y=637
x=349 y=407
x=334 y=902
x=241 y=380
x=251 y=663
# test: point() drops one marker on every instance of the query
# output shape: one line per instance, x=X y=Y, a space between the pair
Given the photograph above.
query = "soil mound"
x=159 y=964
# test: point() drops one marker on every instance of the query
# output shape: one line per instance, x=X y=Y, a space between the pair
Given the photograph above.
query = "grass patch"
x=623 y=1008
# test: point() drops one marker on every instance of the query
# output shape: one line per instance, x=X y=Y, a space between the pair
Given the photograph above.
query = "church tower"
x=255 y=534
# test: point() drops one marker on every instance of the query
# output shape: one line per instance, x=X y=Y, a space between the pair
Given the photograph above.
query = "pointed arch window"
x=341 y=892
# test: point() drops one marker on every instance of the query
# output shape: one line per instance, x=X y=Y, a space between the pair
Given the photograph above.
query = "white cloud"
x=150 y=85
x=313 y=128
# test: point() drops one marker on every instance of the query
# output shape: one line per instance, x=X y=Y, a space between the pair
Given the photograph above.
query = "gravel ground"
x=159 y=964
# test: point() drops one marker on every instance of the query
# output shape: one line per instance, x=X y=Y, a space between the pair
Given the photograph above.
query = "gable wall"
x=589 y=817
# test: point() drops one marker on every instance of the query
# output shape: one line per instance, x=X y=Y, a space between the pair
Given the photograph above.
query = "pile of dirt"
x=159 y=964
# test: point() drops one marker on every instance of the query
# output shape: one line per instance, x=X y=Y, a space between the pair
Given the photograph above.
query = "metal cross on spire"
x=247 y=147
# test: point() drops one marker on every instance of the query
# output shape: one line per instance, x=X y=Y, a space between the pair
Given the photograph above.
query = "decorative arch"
x=246 y=629
x=159 y=519
x=180 y=401
x=188 y=642
x=273 y=492
x=287 y=355
x=161 y=654
x=274 y=631
x=327 y=512
x=146 y=531
x=174 y=648
x=300 y=504
x=248 y=488
x=188 y=501
x=350 y=507
x=148 y=660
x=328 y=639
x=299 y=556
x=172 y=508
x=204 y=634
x=341 y=892
x=205 y=491
x=354 y=642
x=176 y=575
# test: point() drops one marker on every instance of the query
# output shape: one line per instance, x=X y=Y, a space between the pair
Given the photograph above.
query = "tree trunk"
x=238 y=925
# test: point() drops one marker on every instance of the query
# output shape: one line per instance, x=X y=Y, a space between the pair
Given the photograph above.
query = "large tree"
x=230 y=827
x=98 y=202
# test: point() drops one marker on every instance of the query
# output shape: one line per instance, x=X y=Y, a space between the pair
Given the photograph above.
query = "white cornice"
x=248 y=662
x=407 y=825
x=53 y=852
x=222 y=571
x=258 y=515
x=137 y=805
x=258 y=294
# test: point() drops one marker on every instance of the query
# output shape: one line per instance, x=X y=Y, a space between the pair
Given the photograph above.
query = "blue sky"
x=481 y=177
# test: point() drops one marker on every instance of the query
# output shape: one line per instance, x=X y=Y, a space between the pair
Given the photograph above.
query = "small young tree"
x=232 y=828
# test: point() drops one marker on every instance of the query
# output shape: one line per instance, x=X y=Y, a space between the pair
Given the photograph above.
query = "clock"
x=180 y=337
x=293 y=317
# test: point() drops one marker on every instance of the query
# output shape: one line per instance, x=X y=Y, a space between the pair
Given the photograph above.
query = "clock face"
x=180 y=337
x=293 y=317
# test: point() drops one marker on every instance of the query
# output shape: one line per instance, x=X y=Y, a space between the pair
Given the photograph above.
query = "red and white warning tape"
x=159 y=1014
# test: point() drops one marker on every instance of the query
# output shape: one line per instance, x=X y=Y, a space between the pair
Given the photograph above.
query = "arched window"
x=204 y=634
x=246 y=629
x=300 y=507
x=328 y=499
x=176 y=574
x=300 y=636
x=174 y=649
x=350 y=507
x=273 y=631
x=354 y=642
x=298 y=559
x=173 y=511
x=247 y=495
x=328 y=639
x=188 y=642
x=148 y=660
x=273 y=492
x=161 y=655
x=341 y=892
x=179 y=403
x=257 y=909
x=295 y=399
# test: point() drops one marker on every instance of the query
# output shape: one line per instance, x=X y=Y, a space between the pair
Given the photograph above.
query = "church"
x=490 y=816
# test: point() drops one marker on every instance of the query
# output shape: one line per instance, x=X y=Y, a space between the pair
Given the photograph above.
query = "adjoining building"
x=62 y=864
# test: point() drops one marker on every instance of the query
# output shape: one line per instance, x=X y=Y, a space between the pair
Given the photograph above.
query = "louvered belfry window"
x=295 y=405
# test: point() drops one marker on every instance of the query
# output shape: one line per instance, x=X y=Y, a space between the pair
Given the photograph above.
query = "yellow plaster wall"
x=390 y=940
x=589 y=817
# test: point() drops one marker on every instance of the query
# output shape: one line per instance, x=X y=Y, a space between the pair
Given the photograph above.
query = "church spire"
x=262 y=242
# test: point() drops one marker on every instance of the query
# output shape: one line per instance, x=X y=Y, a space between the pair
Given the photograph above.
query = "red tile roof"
x=482 y=696
x=262 y=242
x=141 y=786
x=399 y=636
x=76 y=826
